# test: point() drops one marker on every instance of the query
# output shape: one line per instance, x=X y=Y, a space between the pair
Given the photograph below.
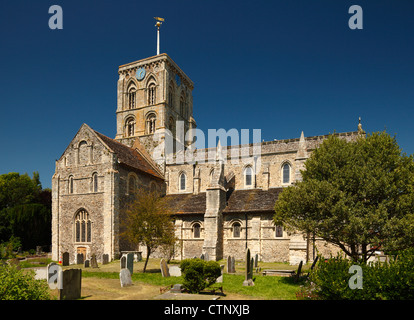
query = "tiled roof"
x=253 y=200
x=128 y=156
x=187 y=203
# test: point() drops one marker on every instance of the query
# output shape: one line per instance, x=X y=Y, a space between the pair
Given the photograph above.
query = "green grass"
x=266 y=287
x=42 y=262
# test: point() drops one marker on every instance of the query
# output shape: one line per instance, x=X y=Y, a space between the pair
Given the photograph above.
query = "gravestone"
x=230 y=265
x=251 y=268
x=71 y=284
x=125 y=278
x=220 y=279
x=202 y=256
x=105 y=258
x=123 y=262
x=79 y=258
x=233 y=264
x=65 y=259
x=206 y=257
x=86 y=263
x=130 y=262
x=164 y=268
x=256 y=260
x=175 y=271
x=248 y=273
x=94 y=263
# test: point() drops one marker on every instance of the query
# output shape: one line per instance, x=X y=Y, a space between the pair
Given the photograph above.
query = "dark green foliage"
x=25 y=210
x=357 y=195
x=199 y=274
x=392 y=280
x=18 y=284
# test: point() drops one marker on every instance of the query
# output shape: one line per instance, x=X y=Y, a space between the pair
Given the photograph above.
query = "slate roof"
x=129 y=157
x=252 y=200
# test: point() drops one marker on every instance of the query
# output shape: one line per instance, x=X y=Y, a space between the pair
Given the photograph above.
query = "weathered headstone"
x=175 y=271
x=94 y=262
x=202 y=256
x=230 y=265
x=71 y=284
x=123 y=262
x=256 y=260
x=248 y=273
x=251 y=268
x=79 y=258
x=206 y=257
x=125 y=278
x=86 y=263
x=105 y=258
x=130 y=262
x=65 y=259
x=164 y=268
x=233 y=264
x=220 y=279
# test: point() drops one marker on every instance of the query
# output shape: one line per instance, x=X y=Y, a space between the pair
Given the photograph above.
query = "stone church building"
x=220 y=207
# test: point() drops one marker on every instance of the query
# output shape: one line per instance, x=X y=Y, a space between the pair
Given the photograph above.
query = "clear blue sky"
x=278 y=66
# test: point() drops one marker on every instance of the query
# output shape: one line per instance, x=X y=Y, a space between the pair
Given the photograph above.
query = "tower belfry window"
x=130 y=127
x=150 y=123
x=131 y=98
x=151 y=94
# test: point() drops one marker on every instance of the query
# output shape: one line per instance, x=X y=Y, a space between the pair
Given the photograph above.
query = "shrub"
x=18 y=284
x=199 y=274
x=392 y=280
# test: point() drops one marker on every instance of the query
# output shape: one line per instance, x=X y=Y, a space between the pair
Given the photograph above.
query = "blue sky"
x=278 y=66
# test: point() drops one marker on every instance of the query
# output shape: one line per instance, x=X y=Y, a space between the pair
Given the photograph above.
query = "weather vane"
x=158 y=25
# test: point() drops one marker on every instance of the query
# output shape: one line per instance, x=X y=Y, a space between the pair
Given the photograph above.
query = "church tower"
x=154 y=94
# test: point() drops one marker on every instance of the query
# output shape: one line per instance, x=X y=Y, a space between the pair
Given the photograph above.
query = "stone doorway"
x=82 y=250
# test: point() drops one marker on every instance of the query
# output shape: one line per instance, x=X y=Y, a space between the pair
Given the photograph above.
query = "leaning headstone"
x=105 y=258
x=175 y=271
x=123 y=262
x=79 y=258
x=65 y=259
x=125 y=278
x=86 y=263
x=248 y=273
x=164 y=268
x=71 y=284
x=94 y=263
x=130 y=262
x=220 y=279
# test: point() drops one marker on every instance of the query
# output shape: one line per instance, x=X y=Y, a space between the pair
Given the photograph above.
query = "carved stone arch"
x=236 y=226
x=196 y=228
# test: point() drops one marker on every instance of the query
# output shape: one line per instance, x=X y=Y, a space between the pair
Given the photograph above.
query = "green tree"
x=357 y=195
x=147 y=221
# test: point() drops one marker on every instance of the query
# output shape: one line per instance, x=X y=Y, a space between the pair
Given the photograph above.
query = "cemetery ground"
x=103 y=283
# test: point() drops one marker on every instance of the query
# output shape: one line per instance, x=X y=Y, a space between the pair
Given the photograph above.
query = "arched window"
x=151 y=93
x=95 y=182
x=196 y=230
x=132 y=184
x=278 y=231
x=131 y=97
x=286 y=173
x=130 y=127
x=248 y=177
x=183 y=179
x=70 y=186
x=83 y=227
x=236 y=230
x=83 y=153
x=171 y=97
x=150 y=123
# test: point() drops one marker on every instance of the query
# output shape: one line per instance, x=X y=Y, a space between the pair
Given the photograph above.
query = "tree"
x=357 y=195
x=148 y=222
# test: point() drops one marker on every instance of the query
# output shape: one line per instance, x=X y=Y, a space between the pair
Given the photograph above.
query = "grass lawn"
x=266 y=287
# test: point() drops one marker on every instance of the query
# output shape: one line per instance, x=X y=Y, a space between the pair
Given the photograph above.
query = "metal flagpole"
x=158 y=25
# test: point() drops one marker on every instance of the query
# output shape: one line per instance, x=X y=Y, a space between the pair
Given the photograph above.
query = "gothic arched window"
x=248 y=177
x=70 y=186
x=132 y=184
x=286 y=173
x=150 y=123
x=236 y=230
x=171 y=96
x=151 y=93
x=130 y=127
x=196 y=230
x=132 y=97
x=83 y=227
x=95 y=182
x=183 y=179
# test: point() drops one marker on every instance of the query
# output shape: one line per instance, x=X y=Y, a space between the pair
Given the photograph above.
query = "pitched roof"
x=128 y=156
x=187 y=203
x=252 y=200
